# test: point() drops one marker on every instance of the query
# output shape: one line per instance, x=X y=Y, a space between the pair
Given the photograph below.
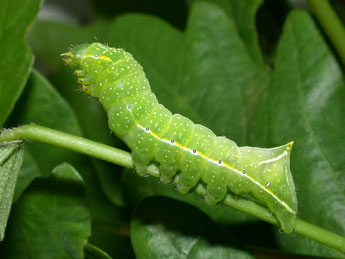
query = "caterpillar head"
x=75 y=58
x=95 y=64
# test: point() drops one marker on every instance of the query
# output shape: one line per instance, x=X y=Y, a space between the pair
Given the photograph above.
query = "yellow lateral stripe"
x=105 y=58
x=100 y=57
x=222 y=164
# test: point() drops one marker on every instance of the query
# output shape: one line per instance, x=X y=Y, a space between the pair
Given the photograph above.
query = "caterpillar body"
x=186 y=152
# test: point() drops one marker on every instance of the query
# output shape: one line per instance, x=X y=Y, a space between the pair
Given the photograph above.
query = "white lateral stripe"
x=273 y=159
x=222 y=164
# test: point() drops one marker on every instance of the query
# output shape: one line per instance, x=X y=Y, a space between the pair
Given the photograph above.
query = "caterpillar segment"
x=186 y=152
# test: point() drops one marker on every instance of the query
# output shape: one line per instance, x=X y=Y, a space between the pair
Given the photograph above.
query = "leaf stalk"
x=331 y=24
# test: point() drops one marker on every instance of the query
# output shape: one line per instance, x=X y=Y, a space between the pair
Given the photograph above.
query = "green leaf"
x=58 y=38
x=39 y=105
x=16 y=58
x=243 y=13
x=164 y=228
x=204 y=73
x=51 y=219
x=11 y=158
x=93 y=124
x=208 y=72
x=43 y=105
x=306 y=103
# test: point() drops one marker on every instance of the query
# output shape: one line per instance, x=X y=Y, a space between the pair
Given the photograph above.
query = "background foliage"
x=262 y=74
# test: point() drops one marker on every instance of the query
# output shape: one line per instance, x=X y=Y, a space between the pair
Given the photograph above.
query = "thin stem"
x=320 y=235
x=123 y=158
x=65 y=140
x=331 y=24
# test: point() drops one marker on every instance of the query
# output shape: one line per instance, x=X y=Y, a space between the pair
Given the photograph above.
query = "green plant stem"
x=123 y=158
x=331 y=24
x=72 y=142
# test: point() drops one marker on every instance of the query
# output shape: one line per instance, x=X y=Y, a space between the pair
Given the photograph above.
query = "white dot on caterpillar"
x=96 y=55
x=268 y=184
x=120 y=84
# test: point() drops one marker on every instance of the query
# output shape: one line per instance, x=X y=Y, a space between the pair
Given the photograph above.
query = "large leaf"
x=243 y=14
x=43 y=105
x=205 y=73
x=51 y=219
x=16 y=58
x=164 y=228
x=306 y=103
x=11 y=158
x=59 y=37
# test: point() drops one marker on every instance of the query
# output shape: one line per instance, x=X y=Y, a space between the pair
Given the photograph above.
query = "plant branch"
x=331 y=24
x=72 y=142
x=123 y=158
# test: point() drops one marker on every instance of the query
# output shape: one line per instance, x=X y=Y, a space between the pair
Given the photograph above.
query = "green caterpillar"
x=186 y=152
